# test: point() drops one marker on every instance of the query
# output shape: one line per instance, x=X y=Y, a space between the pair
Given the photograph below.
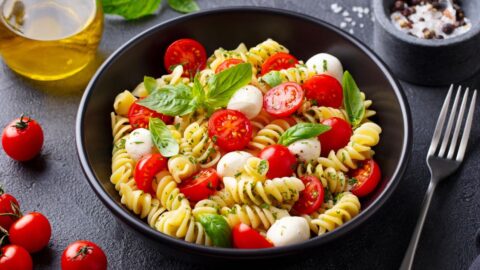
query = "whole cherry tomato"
x=337 y=137
x=14 y=257
x=325 y=90
x=281 y=162
x=9 y=210
x=83 y=255
x=228 y=64
x=32 y=231
x=22 y=139
x=245 y=237
x=186 y=52
x=139 y=116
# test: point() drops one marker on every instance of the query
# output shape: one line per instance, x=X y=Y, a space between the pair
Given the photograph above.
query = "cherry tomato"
x=368 y=176
x=200 y=186
x=146 y=169
x=9 y=210
x=31 y=231
x=230 y=129
x=139 y=116
x=14 y=257
x=337 y=137
x=247 y=238
x=281 y=162
x=82 y=254
x=279 y=61
x=22 y=139
x=325 y=90
x=284 y=99
x=186 y=52
x=311 y=198
x=228 y=64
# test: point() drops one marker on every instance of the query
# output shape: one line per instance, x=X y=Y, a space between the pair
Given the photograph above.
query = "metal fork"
x=444 y=156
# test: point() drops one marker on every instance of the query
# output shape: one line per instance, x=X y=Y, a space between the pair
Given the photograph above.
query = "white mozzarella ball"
x=232 y=163
x=324 y=63
x=247 y=100
x=306 y=149
x=288 y=231
x=139 y=143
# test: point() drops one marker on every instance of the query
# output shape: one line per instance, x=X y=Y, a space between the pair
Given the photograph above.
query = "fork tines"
x=450 y=148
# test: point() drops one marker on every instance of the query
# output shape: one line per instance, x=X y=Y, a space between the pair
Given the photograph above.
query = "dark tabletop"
x=55 y=185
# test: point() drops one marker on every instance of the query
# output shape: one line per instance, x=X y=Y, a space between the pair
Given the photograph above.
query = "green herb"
x=265 y=206
x=302 y=131
x=352 y=181
x=171 y=100
x=272 y=78
x=131 y=9
x=237 y=174
x=325 y=65
x=192 y=160
x=262 y=167
x=214 y=138
x=150 y=84
x=184 y=6
x=352 y=100
x=217 y=229
x=162 y=138
x=120 y=144
x=138 y=142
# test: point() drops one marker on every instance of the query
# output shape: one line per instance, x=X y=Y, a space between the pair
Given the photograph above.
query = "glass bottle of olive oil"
x=49 y=39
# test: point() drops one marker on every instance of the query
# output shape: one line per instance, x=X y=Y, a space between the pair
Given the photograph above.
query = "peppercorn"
x=398 y=6
x=448 y=28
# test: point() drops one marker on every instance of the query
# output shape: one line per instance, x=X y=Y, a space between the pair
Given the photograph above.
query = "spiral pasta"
x=316 y=114
x=269 y=135
x=258 y=54
x=122 y=103
x=332 y=180
x=196 y=143
x=182 y=167
x=120 y=127
x=167 y=192
x=255 y=216
x=220 y=55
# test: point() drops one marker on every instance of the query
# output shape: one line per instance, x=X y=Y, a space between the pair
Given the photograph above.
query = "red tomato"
x=146 y=169
x=245 y=237
x=22 y=139
x=279 y=61
x=228 y=64
x=368 y=176
x=325 y=90
x=13 y=257
x=230 y=129
x=284 y=99
x=201 y=186
x=311 y=198
x=186 y=52
x=138 y=116
x=281 y=162
x=337 y=137
x=31 y=231
x=82 y=254
x=9 y=209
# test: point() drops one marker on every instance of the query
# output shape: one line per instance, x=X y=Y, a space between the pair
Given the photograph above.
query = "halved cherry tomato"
x=228 y=64
x=281 y=162
x=337 y=137
x=247 y=238
x=147 y=167
x=201 y=186
x=14 y=257
x=32 y=232
x=9 y=210
x=230 y=129
x=284 y=99
x=311 y=198
x=325 y=90
x=186 y=52
x=83 y=254
x=138 y=116
x=22 y=139
x=279 y=61
x=368 y=176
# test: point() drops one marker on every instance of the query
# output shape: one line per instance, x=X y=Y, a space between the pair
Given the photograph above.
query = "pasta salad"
x=248 y=148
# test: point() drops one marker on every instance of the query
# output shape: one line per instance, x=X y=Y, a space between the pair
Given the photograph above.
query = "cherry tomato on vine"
x=281 y=162
x=325 y=90
x=367 y=177
x=82 y=255
x=14 y=257
x=337 y=137
x=245 y=237
x=228 y=64
x=284 y=99
x=146 y=169
x=9 y=210
x=22 y=139
x=229 y=129
x=186 y=52
x=139 y=116
x=32 y=231
x=278 y=61
x=200 y=186
x=311 y=198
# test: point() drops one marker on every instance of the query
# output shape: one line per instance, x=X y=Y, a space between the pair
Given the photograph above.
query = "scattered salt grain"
x=351 y=31
x=343 y=24
x=348 y=19
x=353 y=23
x=336 y=8
x=362 y=25
x=345 y=14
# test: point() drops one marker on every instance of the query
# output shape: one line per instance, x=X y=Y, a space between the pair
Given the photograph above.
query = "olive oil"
x=49 y=39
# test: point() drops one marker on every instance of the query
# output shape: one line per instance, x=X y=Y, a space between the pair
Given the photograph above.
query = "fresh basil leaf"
x=197 y=90
x=272 y=78
x=131 y=9
x=223 y=85
x=184 y=6
x=352 y=100
x=171 y=100
x=150 y=84
x=162 y=138
x=217 y=229
x=302 y=131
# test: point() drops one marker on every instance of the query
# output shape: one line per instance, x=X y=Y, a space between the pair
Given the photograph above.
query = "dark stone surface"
x=55 y=185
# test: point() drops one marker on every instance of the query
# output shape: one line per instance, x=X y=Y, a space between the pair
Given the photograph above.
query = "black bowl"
x=304 y=36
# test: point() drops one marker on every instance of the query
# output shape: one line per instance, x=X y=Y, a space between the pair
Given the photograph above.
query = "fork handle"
x=412 y=247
